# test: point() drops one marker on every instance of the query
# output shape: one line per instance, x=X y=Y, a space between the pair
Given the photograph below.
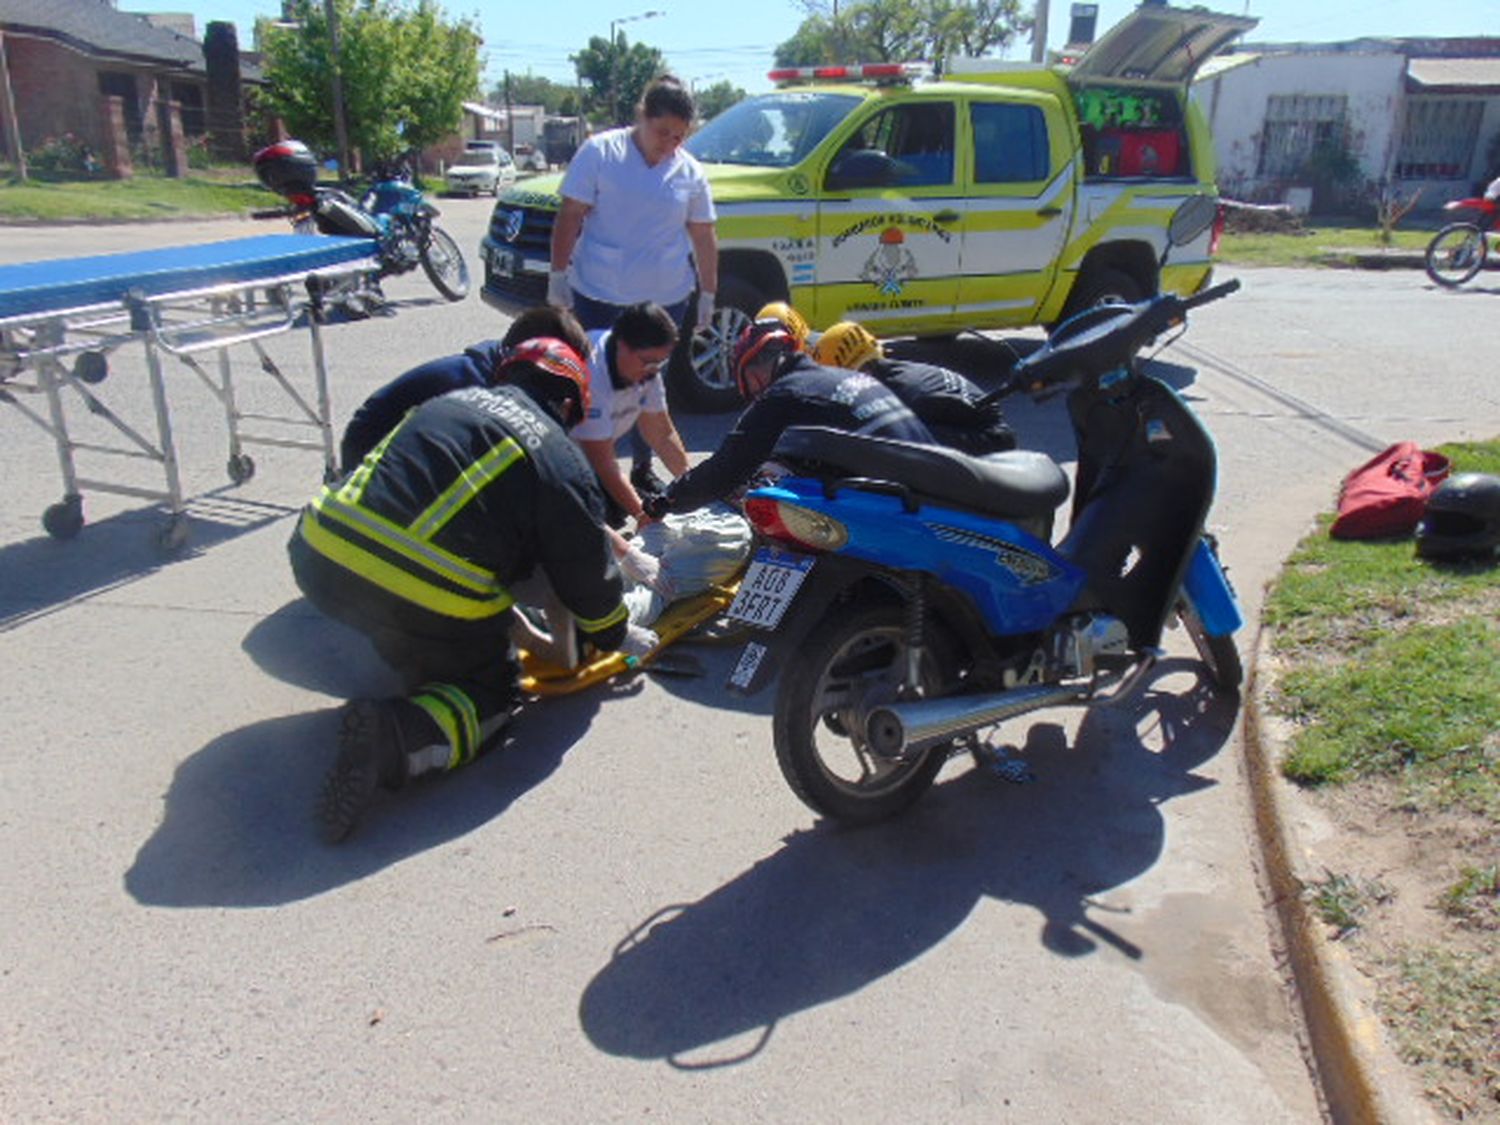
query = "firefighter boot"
x=374 y=736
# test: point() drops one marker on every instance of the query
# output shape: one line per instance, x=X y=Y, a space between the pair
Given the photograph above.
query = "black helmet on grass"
x=1462 y=518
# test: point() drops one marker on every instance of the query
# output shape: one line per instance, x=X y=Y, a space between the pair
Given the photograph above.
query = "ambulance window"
x=1010 y=143
x=918 y=138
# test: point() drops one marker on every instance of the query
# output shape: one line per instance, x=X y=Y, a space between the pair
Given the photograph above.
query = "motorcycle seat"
x=1017 y=484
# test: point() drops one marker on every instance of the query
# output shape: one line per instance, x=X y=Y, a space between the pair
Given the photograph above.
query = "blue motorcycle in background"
x=392 y=211
x=916 y=596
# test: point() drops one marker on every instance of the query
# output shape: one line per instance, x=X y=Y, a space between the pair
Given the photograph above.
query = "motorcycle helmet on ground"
x=762 y=340
x=848 y=344
x=552 y=373
x=793 y=321
x=1462 y=518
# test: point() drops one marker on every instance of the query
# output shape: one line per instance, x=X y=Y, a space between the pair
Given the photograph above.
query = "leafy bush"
x=64 y=157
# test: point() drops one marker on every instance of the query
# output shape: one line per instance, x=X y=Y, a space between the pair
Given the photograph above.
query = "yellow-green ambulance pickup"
x=1003 y=195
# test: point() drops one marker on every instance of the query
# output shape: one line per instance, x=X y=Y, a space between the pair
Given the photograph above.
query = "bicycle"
x=1458 y=251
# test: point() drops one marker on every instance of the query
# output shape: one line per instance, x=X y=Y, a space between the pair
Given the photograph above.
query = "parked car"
x=485 y=166
x=531 y=158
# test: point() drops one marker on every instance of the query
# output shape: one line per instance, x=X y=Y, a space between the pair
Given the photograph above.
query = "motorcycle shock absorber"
x=912 y=632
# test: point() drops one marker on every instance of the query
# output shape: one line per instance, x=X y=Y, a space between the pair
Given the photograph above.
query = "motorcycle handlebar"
x=1212 y=293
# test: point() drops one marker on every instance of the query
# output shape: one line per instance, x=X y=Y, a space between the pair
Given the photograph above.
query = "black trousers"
x=422 y=647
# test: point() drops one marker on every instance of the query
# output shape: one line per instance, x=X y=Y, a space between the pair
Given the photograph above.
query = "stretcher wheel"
x=91 y=367
x=64 y=519
x=241 y=468
x=173 y=535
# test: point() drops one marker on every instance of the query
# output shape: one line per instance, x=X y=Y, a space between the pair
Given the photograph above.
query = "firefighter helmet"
x=848 y=344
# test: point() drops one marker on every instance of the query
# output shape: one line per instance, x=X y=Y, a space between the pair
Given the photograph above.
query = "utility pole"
x=8 y=123
x=340 y=132
x=1039 y=33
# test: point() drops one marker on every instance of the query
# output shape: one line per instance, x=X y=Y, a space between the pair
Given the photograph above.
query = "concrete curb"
x=1362 y=1080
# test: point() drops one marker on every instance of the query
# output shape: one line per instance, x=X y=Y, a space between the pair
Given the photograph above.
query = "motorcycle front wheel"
x=1455 y=254
x=852 y=663
x=1219 y=654
x=443 y=263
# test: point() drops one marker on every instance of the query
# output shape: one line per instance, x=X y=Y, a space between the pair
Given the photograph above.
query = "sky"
x=710 y=41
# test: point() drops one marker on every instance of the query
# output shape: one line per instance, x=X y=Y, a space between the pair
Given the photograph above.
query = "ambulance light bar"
x=857 y=72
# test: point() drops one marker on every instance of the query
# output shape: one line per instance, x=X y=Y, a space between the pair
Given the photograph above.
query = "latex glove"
x=638 y=640
x=559 y=292
x=705 y=310
x=646 y=570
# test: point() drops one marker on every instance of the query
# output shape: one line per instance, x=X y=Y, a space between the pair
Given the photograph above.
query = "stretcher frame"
x=46 y=353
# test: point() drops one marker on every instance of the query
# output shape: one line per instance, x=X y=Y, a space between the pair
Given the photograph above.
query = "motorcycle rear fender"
x=1207 y=588
x=830 y=578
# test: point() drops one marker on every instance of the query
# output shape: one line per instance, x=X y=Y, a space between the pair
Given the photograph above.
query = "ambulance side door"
x=1020 y=183
x=888 y=247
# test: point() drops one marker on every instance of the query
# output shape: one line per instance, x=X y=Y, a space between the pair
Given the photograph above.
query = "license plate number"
x=503 y=262
x=770 y=583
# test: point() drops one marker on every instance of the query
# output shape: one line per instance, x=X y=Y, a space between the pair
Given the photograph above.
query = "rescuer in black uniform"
x=958 y=413
x=786 y=388
x=419 y=547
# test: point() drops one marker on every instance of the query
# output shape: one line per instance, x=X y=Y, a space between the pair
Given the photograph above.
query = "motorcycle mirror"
x=1196 y=214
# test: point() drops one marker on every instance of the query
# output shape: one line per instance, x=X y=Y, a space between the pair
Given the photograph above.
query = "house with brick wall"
x=118 y=82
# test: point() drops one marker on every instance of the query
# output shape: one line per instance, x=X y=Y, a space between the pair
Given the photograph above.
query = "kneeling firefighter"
x=418 y=549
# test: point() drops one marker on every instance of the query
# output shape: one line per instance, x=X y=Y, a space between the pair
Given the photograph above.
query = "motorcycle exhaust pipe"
x=909 y=728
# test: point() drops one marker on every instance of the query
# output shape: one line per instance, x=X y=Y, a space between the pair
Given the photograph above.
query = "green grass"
x=1341 y=900
x=1314 y=246
x=1393 y=663
x=1446 y=1016
x=144 y=197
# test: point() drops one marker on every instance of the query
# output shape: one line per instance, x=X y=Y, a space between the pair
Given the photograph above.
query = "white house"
x=1409 y=113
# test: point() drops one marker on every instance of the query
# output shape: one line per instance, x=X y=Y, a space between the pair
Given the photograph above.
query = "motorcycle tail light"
x=790 y=523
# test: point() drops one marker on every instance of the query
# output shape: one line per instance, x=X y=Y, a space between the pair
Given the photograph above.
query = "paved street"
x=626 y=915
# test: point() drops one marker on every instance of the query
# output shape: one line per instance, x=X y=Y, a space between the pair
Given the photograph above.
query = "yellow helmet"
x=790 y=318
x=847 y=344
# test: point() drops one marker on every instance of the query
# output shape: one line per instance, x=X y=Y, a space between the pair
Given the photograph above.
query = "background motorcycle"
x=929 y=604
x=1458 y=251
x=392 y=211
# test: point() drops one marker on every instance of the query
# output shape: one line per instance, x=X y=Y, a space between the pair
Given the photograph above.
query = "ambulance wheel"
x=1104 y=285
x=241 y=468
x=64 y=519
x=699 y=374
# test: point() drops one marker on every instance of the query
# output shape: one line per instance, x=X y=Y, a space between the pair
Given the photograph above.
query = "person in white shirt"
x=637 y=224
x=628 y=396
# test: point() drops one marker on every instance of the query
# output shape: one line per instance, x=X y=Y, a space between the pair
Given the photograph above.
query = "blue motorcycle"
x=392 y=211
x=916 y=596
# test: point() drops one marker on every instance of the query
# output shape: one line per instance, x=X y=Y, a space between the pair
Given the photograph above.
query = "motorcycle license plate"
x=770 y=583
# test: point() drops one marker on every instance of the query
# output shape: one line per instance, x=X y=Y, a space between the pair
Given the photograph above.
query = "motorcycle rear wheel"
x=1220 y=655
x=443 y=263
x=851 y=662
x=1455 y=254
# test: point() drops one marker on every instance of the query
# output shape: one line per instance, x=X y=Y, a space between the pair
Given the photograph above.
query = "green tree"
x=405 y=71
x=714 y=100
x=615 y=76
x=531 y=89
x=901 y=30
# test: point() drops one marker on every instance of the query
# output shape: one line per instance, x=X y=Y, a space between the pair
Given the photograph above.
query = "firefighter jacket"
x=469 y=494
x=804 y=394
x=378 y=414
x=951 y=406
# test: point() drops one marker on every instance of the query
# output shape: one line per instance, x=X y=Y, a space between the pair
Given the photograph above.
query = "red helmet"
x=752 y=344
x=551 y=356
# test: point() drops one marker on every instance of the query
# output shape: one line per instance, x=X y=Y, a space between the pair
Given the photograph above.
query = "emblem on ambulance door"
x=892 y=265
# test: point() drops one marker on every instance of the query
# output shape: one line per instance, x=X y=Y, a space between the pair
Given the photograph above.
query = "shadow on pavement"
x=39 y=576
x=238 y=828
x=702 y=984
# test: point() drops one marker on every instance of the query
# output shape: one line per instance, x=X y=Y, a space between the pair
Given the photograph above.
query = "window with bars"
x=1438 y=138
x=1297 y=125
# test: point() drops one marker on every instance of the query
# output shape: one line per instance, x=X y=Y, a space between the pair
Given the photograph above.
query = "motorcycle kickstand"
x=1001 y=761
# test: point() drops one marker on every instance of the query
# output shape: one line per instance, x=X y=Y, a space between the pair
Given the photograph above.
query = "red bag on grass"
x=1388 y=493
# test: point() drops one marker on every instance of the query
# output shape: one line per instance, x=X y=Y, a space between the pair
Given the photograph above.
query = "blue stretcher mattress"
x=69 y=283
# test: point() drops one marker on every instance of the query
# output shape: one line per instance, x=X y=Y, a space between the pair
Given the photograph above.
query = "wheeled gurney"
x=61 y=320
